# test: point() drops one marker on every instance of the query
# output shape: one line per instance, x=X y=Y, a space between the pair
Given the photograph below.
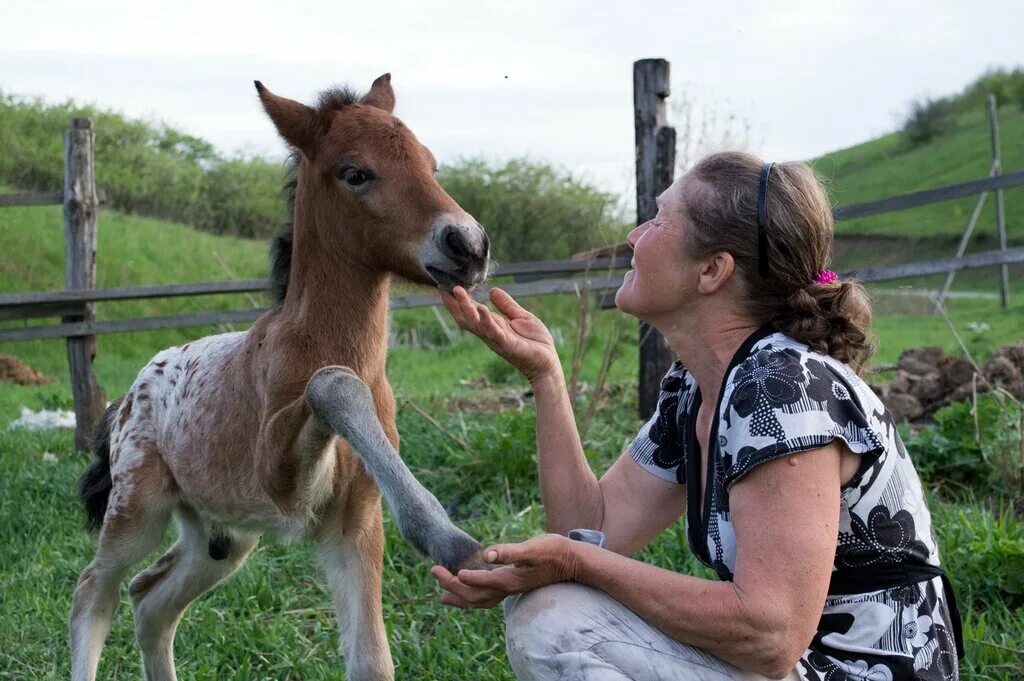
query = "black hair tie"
x=762 y=219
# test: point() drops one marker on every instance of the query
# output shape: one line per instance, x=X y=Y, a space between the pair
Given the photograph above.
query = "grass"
x=883 y=167
x=272 y=620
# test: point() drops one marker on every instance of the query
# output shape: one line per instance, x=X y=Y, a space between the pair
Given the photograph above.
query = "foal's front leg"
x=343 y=402
x=351 y=548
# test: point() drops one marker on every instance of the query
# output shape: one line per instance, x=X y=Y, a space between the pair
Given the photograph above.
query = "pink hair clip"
x=825 y=277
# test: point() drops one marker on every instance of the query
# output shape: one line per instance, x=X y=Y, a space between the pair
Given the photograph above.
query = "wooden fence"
x=600 y=270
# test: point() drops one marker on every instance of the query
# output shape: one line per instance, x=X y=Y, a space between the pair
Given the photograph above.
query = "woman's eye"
x=354 y=177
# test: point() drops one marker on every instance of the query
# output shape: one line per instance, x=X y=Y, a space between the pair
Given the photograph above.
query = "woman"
x=795 y=485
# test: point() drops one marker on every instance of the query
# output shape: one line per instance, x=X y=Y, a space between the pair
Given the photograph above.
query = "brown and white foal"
x=288 y=427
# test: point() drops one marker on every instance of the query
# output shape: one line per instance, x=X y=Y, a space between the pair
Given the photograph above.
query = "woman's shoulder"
x=779 y=359
x=784 y=397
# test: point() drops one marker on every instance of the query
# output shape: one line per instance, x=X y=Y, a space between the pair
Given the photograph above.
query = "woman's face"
x=663 y=278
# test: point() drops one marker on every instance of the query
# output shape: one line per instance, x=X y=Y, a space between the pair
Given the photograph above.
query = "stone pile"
x=928 y=379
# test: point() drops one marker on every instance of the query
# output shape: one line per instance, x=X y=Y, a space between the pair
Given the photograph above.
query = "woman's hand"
x=537 y=562
x=515 y=335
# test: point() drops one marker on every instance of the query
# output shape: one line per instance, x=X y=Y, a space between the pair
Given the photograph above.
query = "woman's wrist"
x=552 y=380
x=578 y=561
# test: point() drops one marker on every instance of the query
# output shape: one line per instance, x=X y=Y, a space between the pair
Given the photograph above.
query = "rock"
x=904 y=407
x=966 y=392
x=920 y=361
x=1013 y=353
x=928 y=388
x=900 y=382
x=13 y=369
x=1000 y=370
x=955 y=372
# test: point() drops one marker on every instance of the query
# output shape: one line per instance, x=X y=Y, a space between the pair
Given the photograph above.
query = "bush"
x=928 y=120
x=953 y=454
x=533 y=210
x=1007 y=86
x=144 y=168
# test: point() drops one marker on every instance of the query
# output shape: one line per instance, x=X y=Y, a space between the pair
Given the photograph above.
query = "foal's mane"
x=332 y=99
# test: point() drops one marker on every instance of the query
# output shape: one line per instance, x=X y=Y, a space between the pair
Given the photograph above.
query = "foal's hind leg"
x=352 y=551
x=161 y=593
x=137 y=515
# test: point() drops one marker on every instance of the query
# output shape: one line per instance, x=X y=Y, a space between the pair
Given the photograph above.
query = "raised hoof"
x=463 y=553
x=473 y=562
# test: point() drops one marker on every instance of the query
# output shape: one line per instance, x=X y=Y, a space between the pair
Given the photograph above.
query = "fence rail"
x=596 y=285
x=937 y=195
x=655 y=145
x=54 y=198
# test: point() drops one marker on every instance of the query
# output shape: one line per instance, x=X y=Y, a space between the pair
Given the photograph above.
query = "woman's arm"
x=785 y=513
x=629 y=504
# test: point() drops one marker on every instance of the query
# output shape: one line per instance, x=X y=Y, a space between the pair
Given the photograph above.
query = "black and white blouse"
x=888 y=614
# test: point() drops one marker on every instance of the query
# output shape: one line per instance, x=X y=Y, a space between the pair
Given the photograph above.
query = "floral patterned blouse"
x=887 y=615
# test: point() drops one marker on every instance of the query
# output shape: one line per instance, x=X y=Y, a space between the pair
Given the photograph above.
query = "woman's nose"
x=634 y=234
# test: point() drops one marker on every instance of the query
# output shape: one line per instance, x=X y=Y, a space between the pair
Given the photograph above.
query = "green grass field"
x=272 y=620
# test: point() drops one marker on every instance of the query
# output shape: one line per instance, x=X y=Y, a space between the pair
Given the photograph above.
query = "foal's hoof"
x=463 y=553
x=472 y=562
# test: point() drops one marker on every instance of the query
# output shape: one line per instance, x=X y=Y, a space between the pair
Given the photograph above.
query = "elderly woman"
x=795 y=485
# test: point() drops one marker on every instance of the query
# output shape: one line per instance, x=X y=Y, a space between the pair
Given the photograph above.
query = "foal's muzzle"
x=458 y=254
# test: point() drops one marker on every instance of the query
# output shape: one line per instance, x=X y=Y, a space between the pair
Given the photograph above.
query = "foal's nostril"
x=487 y=243
x=456 y=244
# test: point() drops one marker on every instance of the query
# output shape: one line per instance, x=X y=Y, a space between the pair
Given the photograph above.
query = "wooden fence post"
x=655 y=164
x=997 y=164
x=81 y=207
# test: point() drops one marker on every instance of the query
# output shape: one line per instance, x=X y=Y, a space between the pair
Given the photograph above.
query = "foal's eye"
x=355 y=178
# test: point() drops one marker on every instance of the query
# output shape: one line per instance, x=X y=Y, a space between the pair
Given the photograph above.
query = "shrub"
x=1007 y=86
x=144 y=168
x=953 y=453
x=928 y=120
x=533 y=210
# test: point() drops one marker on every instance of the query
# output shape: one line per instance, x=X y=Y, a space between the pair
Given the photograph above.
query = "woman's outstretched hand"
x=514 y=334
x=537 y=562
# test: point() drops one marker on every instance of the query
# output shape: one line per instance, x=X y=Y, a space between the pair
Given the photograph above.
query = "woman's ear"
x=715 y=272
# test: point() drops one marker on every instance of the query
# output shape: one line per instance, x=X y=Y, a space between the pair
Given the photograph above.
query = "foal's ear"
x=297 y=123
x=381 y=95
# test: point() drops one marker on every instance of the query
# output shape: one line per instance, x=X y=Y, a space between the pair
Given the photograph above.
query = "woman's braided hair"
x=832 y=318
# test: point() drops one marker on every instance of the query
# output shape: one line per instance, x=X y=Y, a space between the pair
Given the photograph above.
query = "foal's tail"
x=95 y=484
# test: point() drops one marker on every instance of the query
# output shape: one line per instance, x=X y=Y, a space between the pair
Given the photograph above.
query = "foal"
x=288 y=427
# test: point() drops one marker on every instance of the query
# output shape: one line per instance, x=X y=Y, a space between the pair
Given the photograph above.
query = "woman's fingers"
x=448 y=598
x=504 y=553
x=506 y=304
x=462 y=595
x=505 y=579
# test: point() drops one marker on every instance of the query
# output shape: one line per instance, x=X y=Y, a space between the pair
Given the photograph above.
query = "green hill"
x=135 y=250
x=884 y=167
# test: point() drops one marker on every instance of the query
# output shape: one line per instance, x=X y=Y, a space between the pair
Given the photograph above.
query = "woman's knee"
x=553 y=621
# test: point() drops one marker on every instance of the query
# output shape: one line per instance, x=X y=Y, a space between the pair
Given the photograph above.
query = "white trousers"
x=572 y=632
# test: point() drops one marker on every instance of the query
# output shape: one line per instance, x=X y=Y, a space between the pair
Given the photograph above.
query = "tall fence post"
x=81 y=208
x=997 y=164
x=655 y=164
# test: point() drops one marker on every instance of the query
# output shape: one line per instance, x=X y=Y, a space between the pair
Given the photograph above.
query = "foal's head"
x=374 y=195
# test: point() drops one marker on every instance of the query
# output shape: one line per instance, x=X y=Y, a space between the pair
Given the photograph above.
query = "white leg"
x=133 y=527
x=352 y=558
x=161 y=593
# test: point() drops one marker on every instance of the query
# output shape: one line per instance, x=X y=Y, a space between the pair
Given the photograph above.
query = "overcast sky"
x=549 y=79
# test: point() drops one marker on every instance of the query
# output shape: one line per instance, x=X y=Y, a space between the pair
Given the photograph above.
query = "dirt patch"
x=927 y=379
x=13 y=370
